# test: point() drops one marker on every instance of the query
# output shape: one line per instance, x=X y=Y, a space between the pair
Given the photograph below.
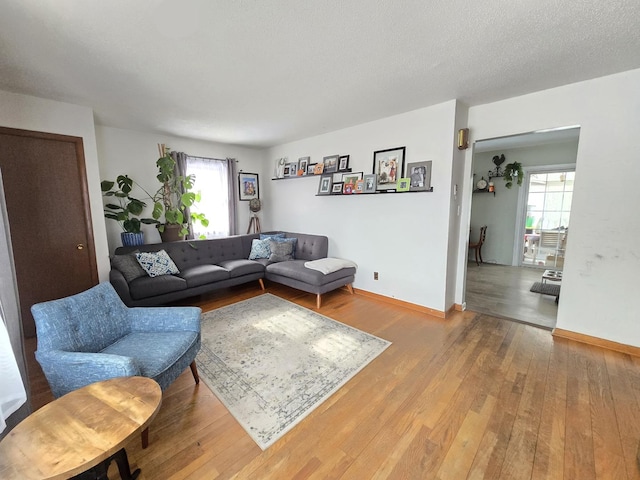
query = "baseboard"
x=598 y=342
x=459 y=308
x=402 y=303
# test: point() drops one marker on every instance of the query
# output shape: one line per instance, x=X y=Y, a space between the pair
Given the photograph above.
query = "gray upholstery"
x=208 y=265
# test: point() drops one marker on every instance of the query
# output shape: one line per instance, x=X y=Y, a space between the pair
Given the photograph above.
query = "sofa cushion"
x=144 y=287
x=292 y=240
x=267 y=236
x=128 y=265
x=154 y=351
x=203 y=274
x=259 y=249
x=280 y=251
x=157 y=263
x=296 y=270
x=237 y=268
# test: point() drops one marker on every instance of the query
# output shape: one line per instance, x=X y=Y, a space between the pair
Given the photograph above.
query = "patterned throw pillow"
x=259 y=249
x=157 y=263
x=280 y=251
x=128 y=266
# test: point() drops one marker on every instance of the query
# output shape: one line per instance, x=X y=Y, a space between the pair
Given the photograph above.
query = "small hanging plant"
x=511 y=171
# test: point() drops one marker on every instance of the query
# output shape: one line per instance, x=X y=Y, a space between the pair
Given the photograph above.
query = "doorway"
x=502 y=285
x=49 y=218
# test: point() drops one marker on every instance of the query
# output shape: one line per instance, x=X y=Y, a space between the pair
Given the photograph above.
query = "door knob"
x=80 y=246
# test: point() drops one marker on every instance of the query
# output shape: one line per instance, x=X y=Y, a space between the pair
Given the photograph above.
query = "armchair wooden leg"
x=261 y=284
x=145 y=438
x=194 y=372
x=318 y=300
x=350 y=288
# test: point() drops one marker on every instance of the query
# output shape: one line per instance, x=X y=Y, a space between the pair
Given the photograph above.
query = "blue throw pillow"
x=157 y=263
x=259 y=249
x=267 y=236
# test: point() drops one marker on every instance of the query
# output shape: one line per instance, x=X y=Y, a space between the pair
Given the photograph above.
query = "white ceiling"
x=260 y=73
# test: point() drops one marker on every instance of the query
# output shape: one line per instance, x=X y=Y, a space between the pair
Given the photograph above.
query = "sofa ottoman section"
x=294 y=274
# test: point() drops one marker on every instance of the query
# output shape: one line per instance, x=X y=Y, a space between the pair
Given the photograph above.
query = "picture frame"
x=293 y=168
x=310 y=168
x=359 y=186
x=248 y=186
x=331 y=163
x=303 y=164
x=324 y=186
x=352 y=177
x=403 y=184
x=318 y=169
x=419 y=174
x=287 y=170
x=336 y=188
x=388 y=166
x=369 y=183
x=348 y=188
x=343 y=163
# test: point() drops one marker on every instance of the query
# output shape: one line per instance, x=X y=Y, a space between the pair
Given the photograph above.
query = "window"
x=212 y=181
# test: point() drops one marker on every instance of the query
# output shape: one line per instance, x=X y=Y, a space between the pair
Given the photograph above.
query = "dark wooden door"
x=49 y=218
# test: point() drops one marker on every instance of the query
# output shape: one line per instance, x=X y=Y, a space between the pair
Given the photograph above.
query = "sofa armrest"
x=120 y=285
x=68 y=371
x=165 y=319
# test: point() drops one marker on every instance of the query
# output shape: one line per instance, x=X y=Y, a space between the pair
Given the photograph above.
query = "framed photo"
x=343 y=163
x=310 y=168
x=248 y=186
x=359 y=186
x=388 y=166
x=331 y=163
x=318 y=169
x=303 y=164
x=324 y=187
x=351 y=177
x=336 y=189
x=293 y=168
x=419 y=174
x=402 y=185
x=348 y=188
x=287 y=170
x=369 y=183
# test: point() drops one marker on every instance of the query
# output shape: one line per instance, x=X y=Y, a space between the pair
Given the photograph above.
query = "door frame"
x=521 y=212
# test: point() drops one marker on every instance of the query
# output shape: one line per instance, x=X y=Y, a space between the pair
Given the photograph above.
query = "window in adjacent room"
x=212 y=181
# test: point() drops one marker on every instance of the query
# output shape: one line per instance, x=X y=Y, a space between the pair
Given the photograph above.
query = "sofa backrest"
x=310 y=247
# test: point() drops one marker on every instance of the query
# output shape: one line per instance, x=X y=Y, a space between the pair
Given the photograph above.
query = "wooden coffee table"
x=81 y=432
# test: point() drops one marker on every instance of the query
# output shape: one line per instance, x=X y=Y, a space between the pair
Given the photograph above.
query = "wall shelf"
x=486 y=190
x=312 y=175
x=382 y=192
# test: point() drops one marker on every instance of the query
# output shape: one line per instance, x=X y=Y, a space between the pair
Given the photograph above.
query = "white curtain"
x=212 y=181
x=12 y=392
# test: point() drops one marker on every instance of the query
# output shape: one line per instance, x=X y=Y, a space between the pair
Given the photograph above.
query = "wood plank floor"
x=472 y=396
x=503 y=291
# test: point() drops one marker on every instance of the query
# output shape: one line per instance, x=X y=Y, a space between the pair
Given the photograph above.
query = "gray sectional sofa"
x=208 y=265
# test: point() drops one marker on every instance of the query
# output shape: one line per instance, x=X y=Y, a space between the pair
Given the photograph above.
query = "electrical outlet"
x=375 y=275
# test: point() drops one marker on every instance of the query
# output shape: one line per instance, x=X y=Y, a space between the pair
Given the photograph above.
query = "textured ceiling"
x=259 y=73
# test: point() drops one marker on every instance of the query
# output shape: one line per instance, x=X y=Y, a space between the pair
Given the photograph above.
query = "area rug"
x=545 y=288
x=271 y=362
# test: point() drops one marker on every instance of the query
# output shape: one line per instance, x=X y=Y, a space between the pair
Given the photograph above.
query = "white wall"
x=135 y=153
x=499 y=212
x=602 y=263
x=404 y=237
x=37 y=114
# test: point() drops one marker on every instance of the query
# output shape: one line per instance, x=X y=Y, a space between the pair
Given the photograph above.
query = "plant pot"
x=171 y=233
x=132 y=239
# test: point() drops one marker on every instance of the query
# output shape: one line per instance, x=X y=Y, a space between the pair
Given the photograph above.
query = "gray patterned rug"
x=271 y=362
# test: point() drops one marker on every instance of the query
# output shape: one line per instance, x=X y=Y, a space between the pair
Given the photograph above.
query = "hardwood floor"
x=503 y=291
x=472 y=396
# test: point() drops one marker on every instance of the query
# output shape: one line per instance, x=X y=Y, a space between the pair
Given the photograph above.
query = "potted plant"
x=126 y=211
x=173 y=198
x=513 y=170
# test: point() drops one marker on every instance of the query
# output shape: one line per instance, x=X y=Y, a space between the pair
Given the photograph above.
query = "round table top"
x=79 y=430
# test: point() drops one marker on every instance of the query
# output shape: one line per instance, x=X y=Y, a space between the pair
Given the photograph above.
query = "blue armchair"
x=93 y=336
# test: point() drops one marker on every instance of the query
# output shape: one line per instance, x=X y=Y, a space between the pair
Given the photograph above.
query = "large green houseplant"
x=125 y=209
x=173 y=199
